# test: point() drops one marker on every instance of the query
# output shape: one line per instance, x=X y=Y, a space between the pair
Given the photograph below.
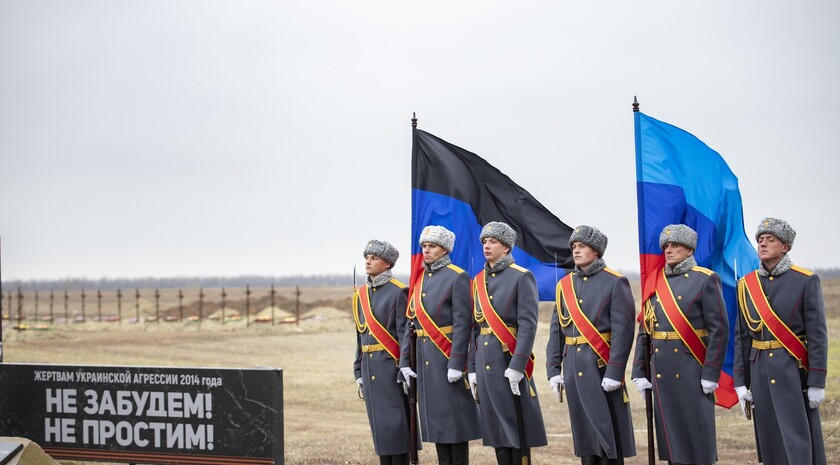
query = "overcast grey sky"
x=152 y=138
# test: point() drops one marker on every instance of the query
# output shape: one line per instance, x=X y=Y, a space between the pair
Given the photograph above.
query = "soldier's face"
x=375 y=265
x=431 y=252
x=494 y=250
x=771 y=248
x=676 y=253
x=583 y=255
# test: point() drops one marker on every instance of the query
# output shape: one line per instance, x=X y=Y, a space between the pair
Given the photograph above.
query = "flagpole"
x=645 y=336
x=412 y=336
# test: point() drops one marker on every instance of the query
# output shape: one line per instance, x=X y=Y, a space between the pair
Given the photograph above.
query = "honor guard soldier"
x=689 y=328
x=506 y=301
x=441 y=307
x=591 y=335
x=379 y=310
x=781 y=353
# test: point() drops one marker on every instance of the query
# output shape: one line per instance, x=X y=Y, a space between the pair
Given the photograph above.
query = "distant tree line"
x=187 y=282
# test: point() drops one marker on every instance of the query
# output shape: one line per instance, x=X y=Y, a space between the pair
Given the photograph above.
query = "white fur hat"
x=438 y=235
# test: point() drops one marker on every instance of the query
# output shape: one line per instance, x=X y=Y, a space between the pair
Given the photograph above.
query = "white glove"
x=708 y=386
x=744 y=394
x=359 y=390
x=610 y=385
x=815 y=396
x=453 y=375
x=408 y=374
x=473 y=384
x=556 y=381
x=514 y=376
x=642 y=384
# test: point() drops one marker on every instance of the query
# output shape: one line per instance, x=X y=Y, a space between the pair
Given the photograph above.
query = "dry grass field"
x=325 y=422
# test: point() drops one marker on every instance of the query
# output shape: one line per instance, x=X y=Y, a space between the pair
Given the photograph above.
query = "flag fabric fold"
x=679 y=179
x=459 y=190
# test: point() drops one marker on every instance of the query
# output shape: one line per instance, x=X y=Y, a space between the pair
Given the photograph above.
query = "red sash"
x=776 y=326
x=376 y=329
x=496 y=323
x=429 y=326
x=678 y=320
x=586 y=328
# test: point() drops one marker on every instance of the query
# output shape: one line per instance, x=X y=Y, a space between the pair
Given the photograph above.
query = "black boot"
x=503 y=456
x=461 y=453
x=590 y=460
x=444 y=453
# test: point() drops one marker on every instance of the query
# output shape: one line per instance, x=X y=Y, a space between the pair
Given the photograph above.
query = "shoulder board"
x=802 y=270
x=398 y=283
x=518 y=268
x=455 y=268
x=613 y=272
x=705 y=271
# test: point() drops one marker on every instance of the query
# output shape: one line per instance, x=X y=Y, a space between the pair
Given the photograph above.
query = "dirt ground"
x=325 y=422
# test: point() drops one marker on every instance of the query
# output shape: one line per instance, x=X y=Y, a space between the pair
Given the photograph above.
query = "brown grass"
x=325 y=422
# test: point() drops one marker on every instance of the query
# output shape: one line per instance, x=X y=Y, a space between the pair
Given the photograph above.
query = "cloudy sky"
x=152 y=138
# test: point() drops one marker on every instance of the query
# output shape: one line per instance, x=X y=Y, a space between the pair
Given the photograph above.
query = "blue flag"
x=679 y=179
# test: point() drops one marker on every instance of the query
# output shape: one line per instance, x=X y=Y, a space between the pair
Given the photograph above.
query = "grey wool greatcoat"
x=514 y=296
x=387 y=405
x=447 y=411
x=685 y=417
x=601 y=421
x=789 y=432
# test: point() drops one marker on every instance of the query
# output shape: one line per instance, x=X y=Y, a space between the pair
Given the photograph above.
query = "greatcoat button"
x=676 y=351
x=686 y=275
x=770 y=355
x=493 y=275
x=427 y=362
x=373 y=377
x=679 y=297
x=487 y=368
x=772 y=381
x=656 y=349
x=580 y=373
x=578 y=349
x=678 y=376
x=585 y=278
x=491 y=297
x=580 y=301
x=486 y=343
x=658 y=376
x=771 y=278
x=424 y=294
x=430 y=275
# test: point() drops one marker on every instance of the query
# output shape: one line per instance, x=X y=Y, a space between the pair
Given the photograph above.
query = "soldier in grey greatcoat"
x=448 y=414
x=498 y=376
x=376 y=371
x=599 y=409
x=683 y=387
x=786 y=395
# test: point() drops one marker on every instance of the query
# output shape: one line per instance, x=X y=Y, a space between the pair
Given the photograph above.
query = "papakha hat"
x=383 y=250
x=499 y=231
x=591 y=236
x=778 y=228
x=678 y=234
x=438 y=235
